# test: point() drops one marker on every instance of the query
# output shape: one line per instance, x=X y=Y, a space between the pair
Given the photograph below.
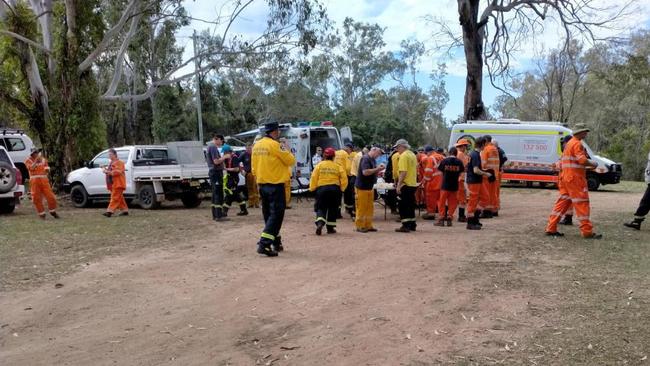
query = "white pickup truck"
x=154 y=173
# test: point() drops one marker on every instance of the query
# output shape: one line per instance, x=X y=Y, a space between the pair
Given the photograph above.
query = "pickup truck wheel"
x=593 y=183
x=147 y=197
x=7 y=206
x=79 y=196
x=190 y=200
x=7 y=177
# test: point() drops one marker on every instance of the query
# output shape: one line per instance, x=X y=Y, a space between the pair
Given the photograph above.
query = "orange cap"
x=462 y=142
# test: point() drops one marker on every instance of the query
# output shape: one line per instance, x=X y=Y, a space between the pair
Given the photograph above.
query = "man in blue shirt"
x=477 y=190
x=215 y=172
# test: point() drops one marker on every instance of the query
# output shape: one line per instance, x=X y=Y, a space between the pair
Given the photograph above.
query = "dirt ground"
x=171 y=287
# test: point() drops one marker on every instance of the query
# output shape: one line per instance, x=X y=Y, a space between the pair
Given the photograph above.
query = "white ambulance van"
x=303 y=138
x=532 y=149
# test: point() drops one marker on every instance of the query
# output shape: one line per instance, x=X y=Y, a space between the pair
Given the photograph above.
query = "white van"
x=304 y=137
x=533 y=148
x=18 y=145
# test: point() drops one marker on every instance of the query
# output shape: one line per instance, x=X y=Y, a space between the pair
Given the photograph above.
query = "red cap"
x=329 y=152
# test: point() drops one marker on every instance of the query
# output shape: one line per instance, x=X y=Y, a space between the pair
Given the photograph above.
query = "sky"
x=405 y=19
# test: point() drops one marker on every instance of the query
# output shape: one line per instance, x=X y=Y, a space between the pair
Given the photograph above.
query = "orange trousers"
x=461 y=195
x=365 y=201
x=253 y=192
x=117 y=201
x=432 y=196
x=573 y=191
x=287 y=192
x=489 y=201
x=450 y=200
x=476 y=193
x=497 y=203
x=40 y=188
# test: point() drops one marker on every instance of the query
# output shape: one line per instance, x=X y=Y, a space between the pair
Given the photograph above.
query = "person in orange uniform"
x=432 y=181
x=463 y=156
x=451 y=167
x=270 y=166
x=420 y=197
x=477 y=189
x=503 y=158
x=490 y=161
x=116 y=183
x=329 y=180
x=39 y=184
x=573 y=186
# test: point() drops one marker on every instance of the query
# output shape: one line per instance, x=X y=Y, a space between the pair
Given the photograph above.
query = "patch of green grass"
x=33 y=251
x=592 y=298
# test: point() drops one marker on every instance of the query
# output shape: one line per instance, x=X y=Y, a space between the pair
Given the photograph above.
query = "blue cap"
x=226 y=148
x=428 y=148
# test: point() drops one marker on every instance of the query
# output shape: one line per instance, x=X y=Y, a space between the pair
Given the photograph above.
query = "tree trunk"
x=473 y=36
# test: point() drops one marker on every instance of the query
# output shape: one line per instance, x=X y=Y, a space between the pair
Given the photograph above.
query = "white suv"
x=11 y=183
x=18 y=145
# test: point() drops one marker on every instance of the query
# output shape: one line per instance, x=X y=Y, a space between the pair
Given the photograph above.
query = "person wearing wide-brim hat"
x=39 y=184
x=270 y=166
x=406 y=186
x=573 y=186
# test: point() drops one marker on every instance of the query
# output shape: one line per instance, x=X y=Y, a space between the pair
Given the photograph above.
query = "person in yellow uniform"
x=342 y=158
x=328 y=180
x=406 y=186
x=270 y=166
x=364 y=189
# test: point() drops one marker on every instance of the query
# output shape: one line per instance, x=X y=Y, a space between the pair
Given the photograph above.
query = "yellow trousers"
x=287 y=192
x=365 y=204
x=253 y=193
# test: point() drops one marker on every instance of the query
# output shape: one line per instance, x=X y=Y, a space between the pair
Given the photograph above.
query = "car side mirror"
x=88 y=164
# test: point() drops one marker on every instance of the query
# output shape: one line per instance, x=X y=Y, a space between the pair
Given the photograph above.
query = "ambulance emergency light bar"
x=316 y=124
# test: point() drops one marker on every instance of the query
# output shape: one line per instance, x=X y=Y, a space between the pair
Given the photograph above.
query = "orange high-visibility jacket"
x=117 y=172
x=490 y=158
x=431 y=172
x=573 y=161
x=36 y=168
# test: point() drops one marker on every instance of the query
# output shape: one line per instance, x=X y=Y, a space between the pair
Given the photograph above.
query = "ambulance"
x=533 y=149
x=303 y=138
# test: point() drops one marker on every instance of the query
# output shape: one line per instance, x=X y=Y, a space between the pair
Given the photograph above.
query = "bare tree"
x=492 y=30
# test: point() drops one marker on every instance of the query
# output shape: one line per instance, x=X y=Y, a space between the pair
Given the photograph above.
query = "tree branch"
x=26 y=40
x=119 y=60
x=108 y=37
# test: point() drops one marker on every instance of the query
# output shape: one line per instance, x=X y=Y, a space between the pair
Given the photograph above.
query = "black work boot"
x=331 y=230
x=277 y=244
x=477 y=215
x=319 y=227
x=243 y=211
x=486 y=215
x=472 y=224
x=567 y=220
x=266 y=250
x=461 y=215
x=635 y=224
x=224 y=211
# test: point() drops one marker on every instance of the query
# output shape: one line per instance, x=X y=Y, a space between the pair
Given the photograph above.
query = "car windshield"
x=589 y=151
x=4 y=156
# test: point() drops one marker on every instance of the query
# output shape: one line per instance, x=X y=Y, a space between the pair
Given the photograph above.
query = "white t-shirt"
x=316 y=159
